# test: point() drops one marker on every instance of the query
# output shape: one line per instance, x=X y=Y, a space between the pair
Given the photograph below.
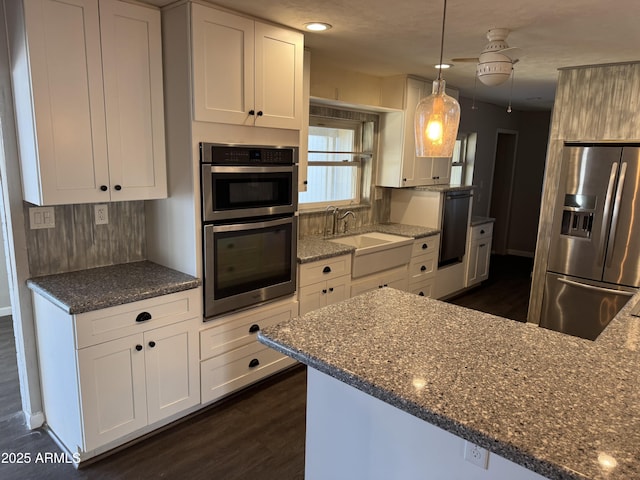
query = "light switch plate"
x=42 y=217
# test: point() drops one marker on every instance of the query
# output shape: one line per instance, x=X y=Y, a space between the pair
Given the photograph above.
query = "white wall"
x=533 y=137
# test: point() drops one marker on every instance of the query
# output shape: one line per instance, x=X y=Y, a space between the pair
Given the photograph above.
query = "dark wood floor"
x=506 y=292
x=258 y=434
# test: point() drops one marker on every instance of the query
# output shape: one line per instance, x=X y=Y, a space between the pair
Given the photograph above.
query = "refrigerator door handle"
x=616 y=211
x=597 y=289
x=607 y=209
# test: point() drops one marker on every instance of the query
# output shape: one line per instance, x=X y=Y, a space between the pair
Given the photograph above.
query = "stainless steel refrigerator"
x=594 y=256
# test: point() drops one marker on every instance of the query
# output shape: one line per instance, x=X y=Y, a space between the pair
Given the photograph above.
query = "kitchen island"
x=393 y=377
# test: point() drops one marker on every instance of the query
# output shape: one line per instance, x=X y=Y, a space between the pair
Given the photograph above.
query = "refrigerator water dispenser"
x=577 y=215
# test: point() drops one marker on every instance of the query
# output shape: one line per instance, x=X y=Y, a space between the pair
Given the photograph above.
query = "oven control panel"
x=220 y=154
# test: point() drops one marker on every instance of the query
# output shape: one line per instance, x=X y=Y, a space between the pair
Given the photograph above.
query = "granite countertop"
x=96 y=288
x=444 y=188
x=314 y=248
x=478 y=220
x=562 y=406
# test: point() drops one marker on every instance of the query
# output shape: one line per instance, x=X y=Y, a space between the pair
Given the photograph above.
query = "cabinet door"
x=112 y=390
x=223 y=66
x=172 y=370
x=132 y=60
x=303 y=150
x=483 y=256
x=441 y=171
x=68 y=161
x=312 y=297
x=338 y=289
x=278 y=83
x=371 y=282
x=411 y=177
x=472 y=264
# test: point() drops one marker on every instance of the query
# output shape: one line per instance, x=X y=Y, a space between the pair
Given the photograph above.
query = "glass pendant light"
x=437 y=116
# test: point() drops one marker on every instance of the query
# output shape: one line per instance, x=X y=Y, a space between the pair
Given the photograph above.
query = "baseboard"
x=34 y=420
x=520 y=253
x=4 y=311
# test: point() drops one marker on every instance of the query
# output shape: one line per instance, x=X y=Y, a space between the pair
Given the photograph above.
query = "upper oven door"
x=230 y=192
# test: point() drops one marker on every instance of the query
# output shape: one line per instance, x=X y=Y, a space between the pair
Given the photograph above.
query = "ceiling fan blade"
x=463 y=60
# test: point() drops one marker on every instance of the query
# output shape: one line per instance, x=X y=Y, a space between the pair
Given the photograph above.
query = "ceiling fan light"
x=494 y=68
x=436 y=123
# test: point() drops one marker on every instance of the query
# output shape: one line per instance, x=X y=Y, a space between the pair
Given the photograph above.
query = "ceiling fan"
x=496 y=61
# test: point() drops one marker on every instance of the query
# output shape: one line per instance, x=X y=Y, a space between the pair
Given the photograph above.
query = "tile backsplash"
x=76 y=242
x=312 y=223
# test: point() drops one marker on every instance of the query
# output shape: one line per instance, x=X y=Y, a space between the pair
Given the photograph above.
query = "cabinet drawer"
x=227 y=373
x=424 y=288
x=422 y=266
x=122 y=320
x=482 y=231
x=426 y=245
x=325 y=270
x=242 y=328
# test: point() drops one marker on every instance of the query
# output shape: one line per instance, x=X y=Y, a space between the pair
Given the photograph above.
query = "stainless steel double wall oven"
x=250 y=229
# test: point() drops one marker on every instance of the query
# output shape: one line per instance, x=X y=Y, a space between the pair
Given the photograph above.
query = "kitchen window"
x=462 y=159
x=339 y=159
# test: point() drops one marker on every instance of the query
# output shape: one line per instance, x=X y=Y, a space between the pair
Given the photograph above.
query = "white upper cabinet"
x=89 y=101
x=245 y=72
x=132 y=69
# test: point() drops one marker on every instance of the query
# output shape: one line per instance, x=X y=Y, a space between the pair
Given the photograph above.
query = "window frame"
x=363 y=160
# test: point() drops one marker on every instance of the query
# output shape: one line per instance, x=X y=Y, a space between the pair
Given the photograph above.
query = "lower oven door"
x=248 y=263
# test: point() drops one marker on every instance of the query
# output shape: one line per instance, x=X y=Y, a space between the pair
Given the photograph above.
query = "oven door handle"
x=252 y=225
x=244 y=169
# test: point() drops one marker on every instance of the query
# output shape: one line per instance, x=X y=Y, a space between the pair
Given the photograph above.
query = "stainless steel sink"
x=376 y=251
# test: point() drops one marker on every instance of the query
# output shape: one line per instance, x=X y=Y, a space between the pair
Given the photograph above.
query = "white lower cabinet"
x=114 y=374
x=394 y=278
x=324 y=282
x=231 y=356
x=423 y=266
x=479 y=253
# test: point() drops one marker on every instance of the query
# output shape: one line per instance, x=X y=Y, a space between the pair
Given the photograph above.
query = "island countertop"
x=564 y=407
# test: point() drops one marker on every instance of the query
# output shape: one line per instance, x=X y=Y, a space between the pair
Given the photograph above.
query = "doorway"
x=502 y=188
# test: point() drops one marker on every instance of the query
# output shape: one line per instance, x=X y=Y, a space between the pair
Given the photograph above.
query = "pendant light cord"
x=444 y=15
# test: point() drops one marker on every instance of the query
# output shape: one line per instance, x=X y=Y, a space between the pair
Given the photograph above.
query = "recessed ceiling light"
x=444 y=66
x=317 y=26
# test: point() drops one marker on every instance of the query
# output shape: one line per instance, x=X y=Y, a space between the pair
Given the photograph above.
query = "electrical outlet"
x=101 y=213
x=42 y=217
x=477 y=455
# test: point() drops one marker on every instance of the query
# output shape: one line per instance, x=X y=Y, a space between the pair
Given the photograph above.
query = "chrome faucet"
x=334 y=220
x=344 y=216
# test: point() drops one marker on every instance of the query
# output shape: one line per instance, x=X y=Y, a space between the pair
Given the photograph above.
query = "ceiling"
x=386 y=37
